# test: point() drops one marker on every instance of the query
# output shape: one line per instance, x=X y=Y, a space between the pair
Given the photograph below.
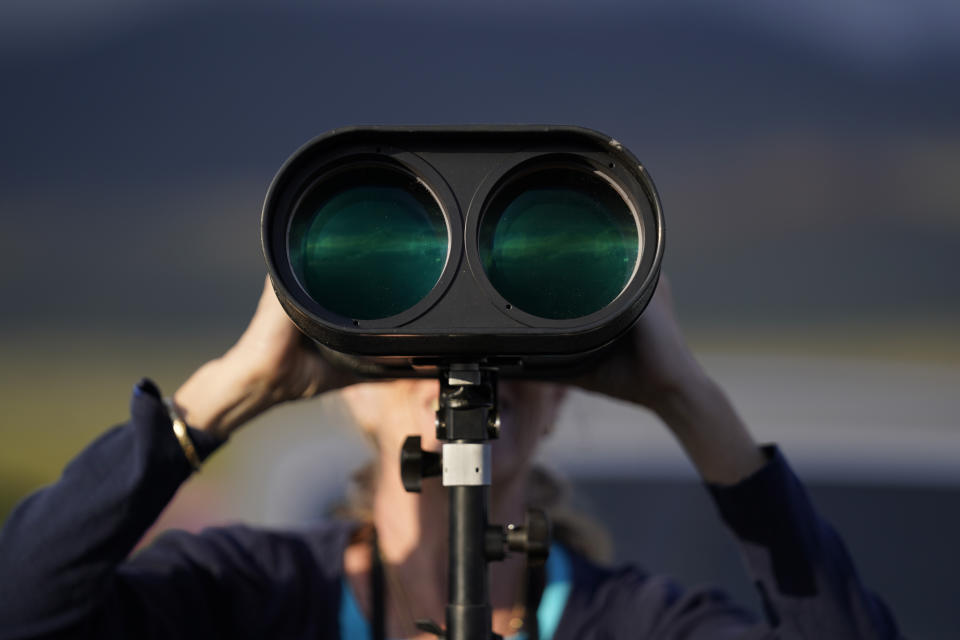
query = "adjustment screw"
x=493 y=425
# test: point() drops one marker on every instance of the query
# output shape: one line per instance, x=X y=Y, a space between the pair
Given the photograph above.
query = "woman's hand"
x=272 y=362
x=652 y=366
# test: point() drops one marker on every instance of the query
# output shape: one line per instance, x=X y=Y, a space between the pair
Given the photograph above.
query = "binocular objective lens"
x=368 y=242
x=559 y=243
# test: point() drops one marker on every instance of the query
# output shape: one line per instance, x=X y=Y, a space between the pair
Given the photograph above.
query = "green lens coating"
x=368 y=242
x=559 y=243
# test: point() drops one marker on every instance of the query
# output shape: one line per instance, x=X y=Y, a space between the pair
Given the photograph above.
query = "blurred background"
x=807 y=156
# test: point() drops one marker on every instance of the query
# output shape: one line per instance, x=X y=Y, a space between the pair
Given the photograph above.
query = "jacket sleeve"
x=807 y=582
x=808 y=585
x=61 y=546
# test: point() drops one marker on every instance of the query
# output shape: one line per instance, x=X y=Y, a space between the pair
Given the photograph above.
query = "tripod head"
x=466 y=421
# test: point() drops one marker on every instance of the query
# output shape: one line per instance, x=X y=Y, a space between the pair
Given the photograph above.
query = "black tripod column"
x=465 y=423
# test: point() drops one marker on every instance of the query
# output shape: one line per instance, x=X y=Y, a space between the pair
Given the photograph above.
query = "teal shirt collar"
x=556 y=592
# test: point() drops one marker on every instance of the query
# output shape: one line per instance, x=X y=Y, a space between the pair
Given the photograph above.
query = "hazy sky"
x=879 y=30
x=805 y=153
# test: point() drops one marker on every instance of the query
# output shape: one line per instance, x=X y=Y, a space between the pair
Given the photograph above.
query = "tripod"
x=467 y=419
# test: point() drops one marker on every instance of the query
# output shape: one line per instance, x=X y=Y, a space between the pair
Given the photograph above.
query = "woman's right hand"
x=271 y=363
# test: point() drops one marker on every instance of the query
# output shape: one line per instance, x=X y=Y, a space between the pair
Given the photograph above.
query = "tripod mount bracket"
x=466 y=464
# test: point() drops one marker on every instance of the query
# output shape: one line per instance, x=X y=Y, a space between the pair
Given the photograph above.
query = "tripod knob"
x=533 y=538
x=417 y=464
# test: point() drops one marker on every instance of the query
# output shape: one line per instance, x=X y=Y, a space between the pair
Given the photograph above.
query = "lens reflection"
x=559 y=243
x=368 y=243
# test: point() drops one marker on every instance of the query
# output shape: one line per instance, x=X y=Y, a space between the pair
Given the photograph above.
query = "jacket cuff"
x=771 y=508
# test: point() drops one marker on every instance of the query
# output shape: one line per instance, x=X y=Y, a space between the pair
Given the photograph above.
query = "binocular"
x=401 y=250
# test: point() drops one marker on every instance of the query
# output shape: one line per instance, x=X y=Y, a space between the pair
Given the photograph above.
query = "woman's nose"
x=426 y=393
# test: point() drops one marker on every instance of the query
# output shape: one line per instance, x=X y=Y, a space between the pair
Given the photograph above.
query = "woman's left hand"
x=652 y=366
x=651 y=363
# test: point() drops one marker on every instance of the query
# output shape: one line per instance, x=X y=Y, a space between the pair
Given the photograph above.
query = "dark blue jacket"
x=65 y=570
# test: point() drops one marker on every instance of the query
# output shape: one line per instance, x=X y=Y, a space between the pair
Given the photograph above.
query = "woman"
x=64 y=551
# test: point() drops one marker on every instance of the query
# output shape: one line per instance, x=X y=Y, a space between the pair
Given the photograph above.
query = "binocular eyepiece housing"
x=400 y=250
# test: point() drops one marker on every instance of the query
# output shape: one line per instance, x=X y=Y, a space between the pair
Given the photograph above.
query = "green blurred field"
x=59 y=391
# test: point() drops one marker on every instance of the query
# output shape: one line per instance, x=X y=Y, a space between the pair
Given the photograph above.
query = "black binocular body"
x=401 y=250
